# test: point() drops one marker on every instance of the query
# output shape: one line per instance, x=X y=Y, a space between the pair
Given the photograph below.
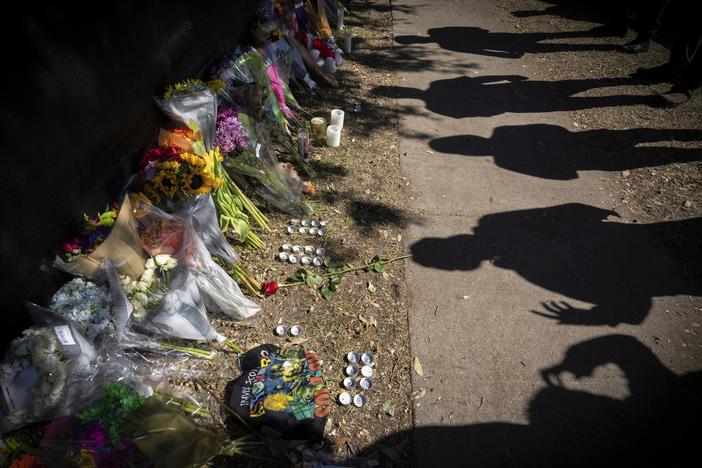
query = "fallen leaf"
x=388 y=408
x=371 y=287
x=417 y=366
x=429 y=152
x=419 y=393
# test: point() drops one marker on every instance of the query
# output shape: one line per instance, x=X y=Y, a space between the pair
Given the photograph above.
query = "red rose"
x=269 y=288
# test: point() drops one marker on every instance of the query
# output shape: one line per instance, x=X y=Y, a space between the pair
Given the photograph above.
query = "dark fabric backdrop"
x=77 y=110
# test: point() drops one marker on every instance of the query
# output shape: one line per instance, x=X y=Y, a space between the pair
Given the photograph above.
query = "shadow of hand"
x=566 y=314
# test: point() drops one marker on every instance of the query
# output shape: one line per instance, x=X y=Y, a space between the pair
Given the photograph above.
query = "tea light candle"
x=337 y=118
x=333 y=136
x=319 y=127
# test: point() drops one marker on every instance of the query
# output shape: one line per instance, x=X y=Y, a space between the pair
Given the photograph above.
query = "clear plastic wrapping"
x=47 y=372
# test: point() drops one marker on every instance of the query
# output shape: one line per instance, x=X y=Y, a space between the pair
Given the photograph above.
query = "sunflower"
x=169 y=166
x=193 y=159
x=167 y=182
x=198 y=182
x=151 y=194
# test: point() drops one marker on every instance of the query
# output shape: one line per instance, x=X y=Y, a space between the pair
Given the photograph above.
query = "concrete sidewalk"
x=551 y=331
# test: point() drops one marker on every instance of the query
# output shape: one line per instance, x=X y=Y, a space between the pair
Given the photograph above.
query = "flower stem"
x=197 y=352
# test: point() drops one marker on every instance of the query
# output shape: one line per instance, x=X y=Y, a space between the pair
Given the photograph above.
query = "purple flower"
x=94 y=439
x=230 y=133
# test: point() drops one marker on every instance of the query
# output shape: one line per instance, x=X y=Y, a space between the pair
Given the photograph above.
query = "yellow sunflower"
x=167 y=182
x=193 y=159
x=151 y=195
x=198 y=182
x=169 y=165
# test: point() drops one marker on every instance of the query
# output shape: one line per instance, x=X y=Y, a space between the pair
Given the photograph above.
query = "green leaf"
x=336 y=279
x=326 y=292
x=313 y=280
x=376 y=264
x=300 y=275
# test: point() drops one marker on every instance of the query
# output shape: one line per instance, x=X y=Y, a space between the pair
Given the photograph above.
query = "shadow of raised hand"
x=567 y=314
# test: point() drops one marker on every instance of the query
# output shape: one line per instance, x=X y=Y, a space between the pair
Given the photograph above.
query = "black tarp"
x=77 y=109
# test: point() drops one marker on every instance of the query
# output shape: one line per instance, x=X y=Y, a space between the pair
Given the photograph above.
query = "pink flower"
x=269 y=288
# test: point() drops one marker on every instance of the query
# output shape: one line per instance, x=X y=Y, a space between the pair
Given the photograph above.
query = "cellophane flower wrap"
x=273 y=182
x=195 y=281
x=46 y=372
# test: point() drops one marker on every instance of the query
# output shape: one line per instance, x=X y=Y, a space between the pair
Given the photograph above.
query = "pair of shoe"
x=636 y=46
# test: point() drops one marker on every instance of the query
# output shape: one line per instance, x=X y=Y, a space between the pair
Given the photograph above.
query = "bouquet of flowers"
x=260 y=164
x=109 y=236
x=169 y=174
x=125 y=428
x=85 y=303
x=95 y=231
x=43 y=372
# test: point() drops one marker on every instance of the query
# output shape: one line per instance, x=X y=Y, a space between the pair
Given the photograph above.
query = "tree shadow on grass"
x=371 y=215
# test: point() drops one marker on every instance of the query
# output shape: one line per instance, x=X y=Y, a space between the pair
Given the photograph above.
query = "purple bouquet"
x=231 y=135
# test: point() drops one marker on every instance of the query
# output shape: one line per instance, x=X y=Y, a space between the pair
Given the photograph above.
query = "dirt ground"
x=359 y=192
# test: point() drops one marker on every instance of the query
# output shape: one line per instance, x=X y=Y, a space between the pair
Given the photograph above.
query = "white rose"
x=150 y=265
x=172 y=263
x=162 y=259
x=148 y=276
x=142 y=287
x=141 y=297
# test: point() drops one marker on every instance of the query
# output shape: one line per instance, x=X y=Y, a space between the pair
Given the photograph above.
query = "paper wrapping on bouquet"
x=122 y=248
x=47 y=372
x=283 y=390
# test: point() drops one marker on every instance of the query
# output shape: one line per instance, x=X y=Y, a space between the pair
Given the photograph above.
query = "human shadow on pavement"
x=657 y=424
x=553 y=152
x=485 y=96
x=571 y=250
x=479 y=41
x=591 y=10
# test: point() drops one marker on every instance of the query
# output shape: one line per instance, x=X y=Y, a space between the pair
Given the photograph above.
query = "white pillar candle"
x=333 y=136
x=337 y=118
x=347 y=42
x=339 y=16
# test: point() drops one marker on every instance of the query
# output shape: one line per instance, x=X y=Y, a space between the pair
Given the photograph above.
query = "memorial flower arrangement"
x=87 y=304
x=95 y=230
x=37 y=363
x=231 y=135
x=150 y=288
x=169 y=173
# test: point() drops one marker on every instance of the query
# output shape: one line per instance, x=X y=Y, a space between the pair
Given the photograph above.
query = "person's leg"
x=691 y=78
x=648 y=17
